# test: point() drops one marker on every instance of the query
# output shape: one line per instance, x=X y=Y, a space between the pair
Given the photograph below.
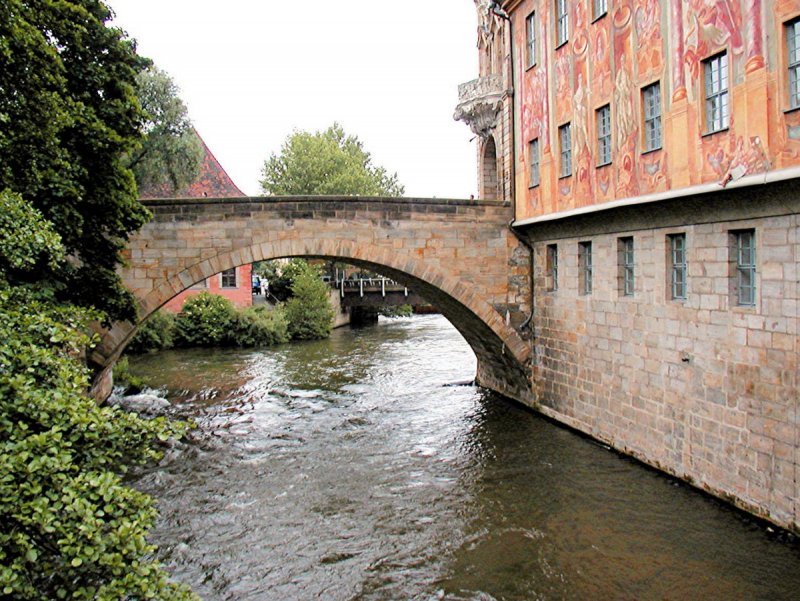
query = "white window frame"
x=565 y=150
x=600 y=8
x=585 y=267
x=717 y=98
x=562 y=22
x=651 y=103
x=603 y=120
x=793 y=56
x=677 y=264
x=530 y=28
x=745 y=248
x=533 y=149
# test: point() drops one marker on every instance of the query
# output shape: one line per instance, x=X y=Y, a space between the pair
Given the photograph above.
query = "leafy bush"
x=205 y=320
x=260 y=326
x=211 y=320
x=309 y=310
x=124 y=378
x=155 y=334
x=398 y=311
x=69 y=528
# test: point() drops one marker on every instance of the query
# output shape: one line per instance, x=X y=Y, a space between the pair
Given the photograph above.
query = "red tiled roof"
x=212 y=182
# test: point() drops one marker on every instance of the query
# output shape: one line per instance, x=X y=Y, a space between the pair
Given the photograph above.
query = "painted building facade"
x=212 y=182
x=651 y=151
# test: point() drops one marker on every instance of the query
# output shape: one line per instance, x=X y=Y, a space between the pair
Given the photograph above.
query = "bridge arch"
x=502 y=354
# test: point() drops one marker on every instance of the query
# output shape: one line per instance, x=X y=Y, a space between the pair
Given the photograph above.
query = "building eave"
x=744 y=182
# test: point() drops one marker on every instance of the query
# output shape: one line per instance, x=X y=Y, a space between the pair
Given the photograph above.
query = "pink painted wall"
x=610 y=58
x=241 y=296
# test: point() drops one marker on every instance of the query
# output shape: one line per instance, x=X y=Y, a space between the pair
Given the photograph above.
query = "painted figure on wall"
x=626 y=129
x=648 y=35
x=601 y=65
x=712 y=24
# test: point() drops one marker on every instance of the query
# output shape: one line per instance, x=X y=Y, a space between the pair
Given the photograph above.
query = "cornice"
x=510 y=5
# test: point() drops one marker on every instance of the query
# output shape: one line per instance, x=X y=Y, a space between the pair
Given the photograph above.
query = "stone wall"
x=701 y=388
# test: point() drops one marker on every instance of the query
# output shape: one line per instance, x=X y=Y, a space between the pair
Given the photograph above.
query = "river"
x=350 y=469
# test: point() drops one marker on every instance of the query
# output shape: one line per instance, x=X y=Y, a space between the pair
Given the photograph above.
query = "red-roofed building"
x=212 y=182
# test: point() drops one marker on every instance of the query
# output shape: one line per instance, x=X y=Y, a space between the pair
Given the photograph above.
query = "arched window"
x=489 y=177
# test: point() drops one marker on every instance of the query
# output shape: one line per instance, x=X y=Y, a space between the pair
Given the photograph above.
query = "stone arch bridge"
x=459 y=254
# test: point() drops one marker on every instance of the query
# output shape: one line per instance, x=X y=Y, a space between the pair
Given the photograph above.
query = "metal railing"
x=368 y=284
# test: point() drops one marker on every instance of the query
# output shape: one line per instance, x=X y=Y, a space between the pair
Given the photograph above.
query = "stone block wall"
x=701 y=388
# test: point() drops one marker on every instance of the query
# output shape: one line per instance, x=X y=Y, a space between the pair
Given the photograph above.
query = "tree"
x=171 y=153
x=309 y=310
x=68 y=116
x=326 y=163
x=69 y=527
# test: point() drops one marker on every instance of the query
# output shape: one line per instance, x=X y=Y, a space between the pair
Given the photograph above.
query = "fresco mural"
x=639 y=42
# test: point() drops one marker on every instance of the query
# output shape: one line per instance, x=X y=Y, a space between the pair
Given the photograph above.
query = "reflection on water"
x=346 y=469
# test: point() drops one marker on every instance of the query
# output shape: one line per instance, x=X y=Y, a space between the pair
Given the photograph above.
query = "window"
x=565 y=141
x=625 y=262
x=603 y=118
x=530 y=26
x=228 y=278
x=552 y=267
x=562 y=22
x=745 y=249
x=600 y=8
x=651 y=101
x=793 y=45
x=716 y=80
x=534 y=158
x=585 y=267
x=677 y=266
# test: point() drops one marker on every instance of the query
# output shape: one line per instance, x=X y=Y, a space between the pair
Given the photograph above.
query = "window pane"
x=534 y=162
x=531 y=39
x=677 y=255
x=566 y=150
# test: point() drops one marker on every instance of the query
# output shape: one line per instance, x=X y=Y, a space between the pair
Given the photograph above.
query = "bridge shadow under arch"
x=501 y=353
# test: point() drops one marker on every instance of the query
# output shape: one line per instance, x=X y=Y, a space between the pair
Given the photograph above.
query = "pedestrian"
x=264 y=286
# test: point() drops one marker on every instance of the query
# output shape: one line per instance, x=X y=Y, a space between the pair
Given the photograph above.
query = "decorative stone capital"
x=479 y=104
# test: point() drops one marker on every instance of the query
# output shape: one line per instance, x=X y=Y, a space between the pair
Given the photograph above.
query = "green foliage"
x=28 y=243
x=280 y=275
x=68 y=526
x=205 y=320
x=309 y=310
x=211 y=320
x=68 y=115
x=155 y=334
x=261 y=326
x=132 y=384
x=328 y=162
x=171 y=153
x=399 y=311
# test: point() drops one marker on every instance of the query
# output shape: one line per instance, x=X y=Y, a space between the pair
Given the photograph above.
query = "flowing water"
x=349 y=469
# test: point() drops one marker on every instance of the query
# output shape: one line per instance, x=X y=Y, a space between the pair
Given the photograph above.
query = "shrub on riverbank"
x=205 y=320
x=155 y=334
x=69 y=527
x=398 y=311
x=260 y=326
x=209 y=320
x=309 y=310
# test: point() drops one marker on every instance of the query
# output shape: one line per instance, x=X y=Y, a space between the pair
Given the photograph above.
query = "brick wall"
x=701 y=388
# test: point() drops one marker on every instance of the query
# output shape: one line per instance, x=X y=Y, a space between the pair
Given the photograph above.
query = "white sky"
x=251 y=71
